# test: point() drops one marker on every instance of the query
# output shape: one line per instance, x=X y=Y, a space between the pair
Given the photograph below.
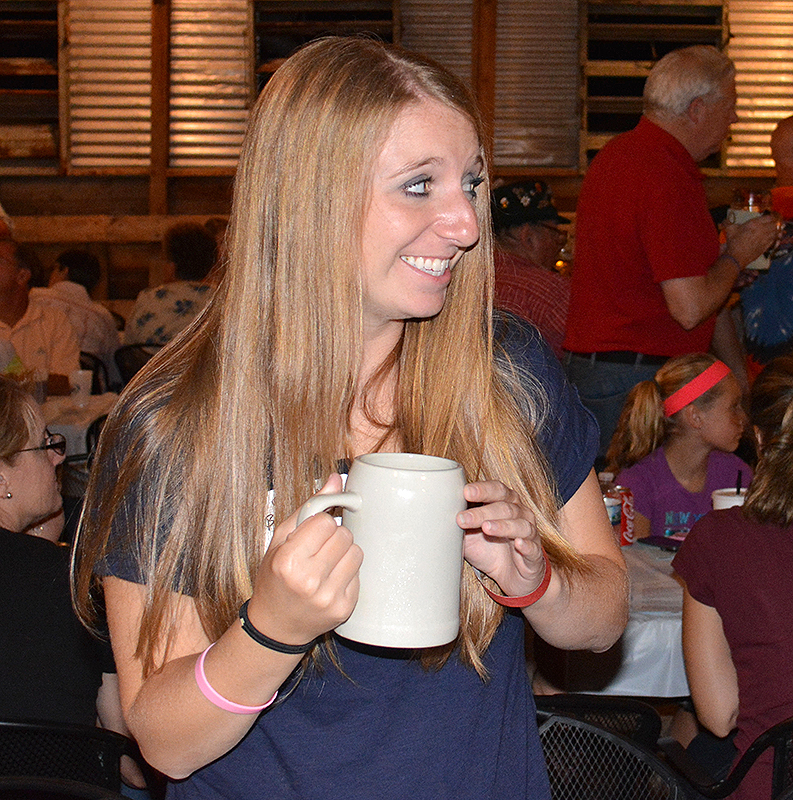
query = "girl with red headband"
x=674 y=444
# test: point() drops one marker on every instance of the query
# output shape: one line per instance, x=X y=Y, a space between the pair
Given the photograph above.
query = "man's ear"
x=694 y=110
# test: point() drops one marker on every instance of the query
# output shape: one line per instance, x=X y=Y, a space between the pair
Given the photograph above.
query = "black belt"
x=624 y=357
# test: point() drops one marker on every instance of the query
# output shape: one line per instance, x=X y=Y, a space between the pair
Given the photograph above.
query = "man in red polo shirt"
x=651 y=276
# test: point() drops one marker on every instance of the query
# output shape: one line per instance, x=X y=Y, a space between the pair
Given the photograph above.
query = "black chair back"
x=130 y=358
x=100 y=381
x=626 y=716
x=72 y=752
x=586 y=762
x=778 y=738
x=22 y=788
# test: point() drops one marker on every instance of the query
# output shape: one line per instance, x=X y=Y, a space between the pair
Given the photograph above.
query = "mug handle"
x=322 y=502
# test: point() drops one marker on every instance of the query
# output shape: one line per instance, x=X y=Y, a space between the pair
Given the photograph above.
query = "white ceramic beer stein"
x=401 y=509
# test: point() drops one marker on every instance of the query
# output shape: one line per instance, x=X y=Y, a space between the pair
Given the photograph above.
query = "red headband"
x=695 y=388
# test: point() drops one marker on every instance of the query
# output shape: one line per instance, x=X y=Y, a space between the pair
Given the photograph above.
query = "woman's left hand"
x=501 y=538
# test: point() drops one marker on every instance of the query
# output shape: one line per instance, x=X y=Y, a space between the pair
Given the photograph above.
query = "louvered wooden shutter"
x=108 y=95
x=211 y=82
x=537 y=74
x=537 y=84
x=761 y=45
x=440 y=29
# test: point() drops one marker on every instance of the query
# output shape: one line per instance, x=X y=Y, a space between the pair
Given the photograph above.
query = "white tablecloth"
x=64 y=415
x=647 y=661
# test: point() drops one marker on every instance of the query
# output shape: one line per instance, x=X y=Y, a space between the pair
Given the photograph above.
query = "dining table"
x=647 y=660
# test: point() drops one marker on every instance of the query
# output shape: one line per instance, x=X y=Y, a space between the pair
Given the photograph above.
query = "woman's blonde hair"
x=643 y=426
x=769 y=498
x=259 y=391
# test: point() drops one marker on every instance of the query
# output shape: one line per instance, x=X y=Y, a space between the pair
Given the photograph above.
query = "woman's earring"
x=8 y=495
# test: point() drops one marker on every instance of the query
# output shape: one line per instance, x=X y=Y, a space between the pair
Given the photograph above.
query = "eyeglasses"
x=52 y=441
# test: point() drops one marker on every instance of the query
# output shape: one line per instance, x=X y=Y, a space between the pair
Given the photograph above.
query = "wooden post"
x=483 y=58
x=160 y=101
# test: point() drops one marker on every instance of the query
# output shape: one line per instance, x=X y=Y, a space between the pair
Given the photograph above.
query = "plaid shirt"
x=538 y=295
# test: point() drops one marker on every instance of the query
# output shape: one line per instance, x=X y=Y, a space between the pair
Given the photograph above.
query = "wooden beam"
x=483 y=58
x=160 y=99
x=98 y=228
x=27 y=141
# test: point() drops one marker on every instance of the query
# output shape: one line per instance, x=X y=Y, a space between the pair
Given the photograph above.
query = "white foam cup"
x=727 y=498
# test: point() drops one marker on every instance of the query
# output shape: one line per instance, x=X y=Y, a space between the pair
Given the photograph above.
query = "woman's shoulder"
x=520 y=342
x=716 y=532
x=566 y=431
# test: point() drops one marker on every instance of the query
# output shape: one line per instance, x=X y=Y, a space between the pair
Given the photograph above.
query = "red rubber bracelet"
x=527 y=599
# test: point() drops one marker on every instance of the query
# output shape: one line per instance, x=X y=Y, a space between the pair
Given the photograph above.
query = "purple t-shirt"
x=670 y=507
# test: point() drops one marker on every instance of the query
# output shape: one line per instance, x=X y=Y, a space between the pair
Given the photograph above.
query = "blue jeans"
x=603 y=388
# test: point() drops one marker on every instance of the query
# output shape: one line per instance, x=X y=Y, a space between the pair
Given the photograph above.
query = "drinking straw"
x=740 y=481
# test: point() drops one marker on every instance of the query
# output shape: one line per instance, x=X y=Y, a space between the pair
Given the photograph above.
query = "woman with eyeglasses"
x=353 y=316
x=51 y=669
x=29 y=454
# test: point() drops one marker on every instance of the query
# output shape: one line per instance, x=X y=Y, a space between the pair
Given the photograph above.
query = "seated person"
x=767 y=303
x=52 y=668
x=737 y=620
x=675 y=443
x=164 y=311
x=528 y=241
x=74 y=276
x=41 y=336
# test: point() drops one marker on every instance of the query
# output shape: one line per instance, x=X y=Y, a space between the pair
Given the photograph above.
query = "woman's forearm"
x=709 y=667
x=585 y=611
x=177 y=728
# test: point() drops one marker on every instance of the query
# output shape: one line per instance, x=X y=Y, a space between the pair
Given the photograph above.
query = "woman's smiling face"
x=421 y=217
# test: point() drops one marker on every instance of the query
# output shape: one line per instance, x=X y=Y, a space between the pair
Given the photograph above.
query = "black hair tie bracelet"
x=266 y=641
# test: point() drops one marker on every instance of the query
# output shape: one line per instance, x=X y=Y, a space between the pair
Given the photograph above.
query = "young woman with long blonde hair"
x=354 y=315
x=675 y=441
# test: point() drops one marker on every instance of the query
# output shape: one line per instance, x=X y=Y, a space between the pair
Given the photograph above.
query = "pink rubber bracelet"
x=218 y=699
x=527 y=599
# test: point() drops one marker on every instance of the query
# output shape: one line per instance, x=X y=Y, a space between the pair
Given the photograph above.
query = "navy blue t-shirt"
x=388 y=729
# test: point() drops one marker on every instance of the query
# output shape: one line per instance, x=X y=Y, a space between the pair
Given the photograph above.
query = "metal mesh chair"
x=779 y=738
x=626 y=716
x=99 y=381
x=52 y=789
x=130 y=358
x=73 y=752
x=586 y=762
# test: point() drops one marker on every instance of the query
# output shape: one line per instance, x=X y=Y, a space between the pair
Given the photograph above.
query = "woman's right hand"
x=307 y=583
